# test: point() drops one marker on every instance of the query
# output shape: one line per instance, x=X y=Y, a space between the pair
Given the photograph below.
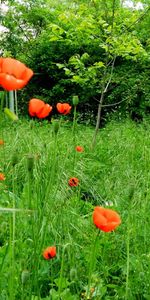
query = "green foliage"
x=132 y=90
x=71 y=48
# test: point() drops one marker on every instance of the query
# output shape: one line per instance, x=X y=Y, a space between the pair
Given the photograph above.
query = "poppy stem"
x=30 y=166
x=92 y=261
x=74 y=120
x=2 y=100
x=12 y=244
x=61 y=271
x=74 y=134
x=128 y=260
x=16 y=102
x=11 y=101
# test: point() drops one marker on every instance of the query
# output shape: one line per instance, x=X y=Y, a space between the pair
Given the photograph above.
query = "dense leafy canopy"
x=82 y=47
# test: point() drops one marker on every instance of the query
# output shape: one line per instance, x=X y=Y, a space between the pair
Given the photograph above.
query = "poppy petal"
x=35 y=107
x=27 y=74
x=79 y=149
x=66 y=108
x=44 y=112
x=59 y=108
x=13 y=67
x=14 y=75
x=63 y=108
x=2 y=176
x=9 y=82
x=49 y=252
x=106 y=219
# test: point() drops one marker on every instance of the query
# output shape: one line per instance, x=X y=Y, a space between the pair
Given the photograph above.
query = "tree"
x=111 y=27
x=78 y=47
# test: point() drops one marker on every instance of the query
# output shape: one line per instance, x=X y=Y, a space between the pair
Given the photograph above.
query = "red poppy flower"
x=49 y=252
x=14 y=75
x=1 y=142
x=39 y=109
x=106 y=219
x=79 y=149
x=63 y=108
x=73 y=181
x=2 y=176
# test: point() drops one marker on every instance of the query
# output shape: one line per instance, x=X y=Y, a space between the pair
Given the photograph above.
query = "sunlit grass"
x=39 y=209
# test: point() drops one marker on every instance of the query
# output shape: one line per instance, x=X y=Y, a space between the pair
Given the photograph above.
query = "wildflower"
x=63 y=108
x=14 y=75
x=106 y=219
x=39 y=109
x=79 y=149
x=1 y=142
x=73 y=181
x=49 y=252
x=2 y=176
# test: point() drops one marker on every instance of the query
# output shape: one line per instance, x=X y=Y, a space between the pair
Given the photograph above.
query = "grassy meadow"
x=39 y=209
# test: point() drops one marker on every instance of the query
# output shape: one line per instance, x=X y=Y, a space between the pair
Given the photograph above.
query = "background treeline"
x=82 y=48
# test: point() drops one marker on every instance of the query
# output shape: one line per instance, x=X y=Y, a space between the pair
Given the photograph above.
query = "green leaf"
x=63 y=282
x=54 y=38
x=99 y=64
x=60 y=66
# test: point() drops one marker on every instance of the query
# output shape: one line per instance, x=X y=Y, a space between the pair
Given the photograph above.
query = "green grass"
x=116 y=174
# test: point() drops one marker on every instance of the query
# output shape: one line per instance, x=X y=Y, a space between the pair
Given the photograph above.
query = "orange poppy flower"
x=73 y=181
x=63 y=108
x=106 y=219
x=39 y=109
x=79 y=149
x=2 y=176
x=1 y=142
x=49 y=252
x=14 y=75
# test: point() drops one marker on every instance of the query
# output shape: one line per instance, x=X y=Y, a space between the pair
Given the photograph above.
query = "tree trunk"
x=98 y=119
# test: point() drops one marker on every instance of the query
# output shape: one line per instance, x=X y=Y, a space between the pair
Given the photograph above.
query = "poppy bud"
x=32 y=125
x=73 y=274
x=56 y=127
x=30 y=162
x=10 y=114
x=14 y=159
x=75 y=100
x=25 y=276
